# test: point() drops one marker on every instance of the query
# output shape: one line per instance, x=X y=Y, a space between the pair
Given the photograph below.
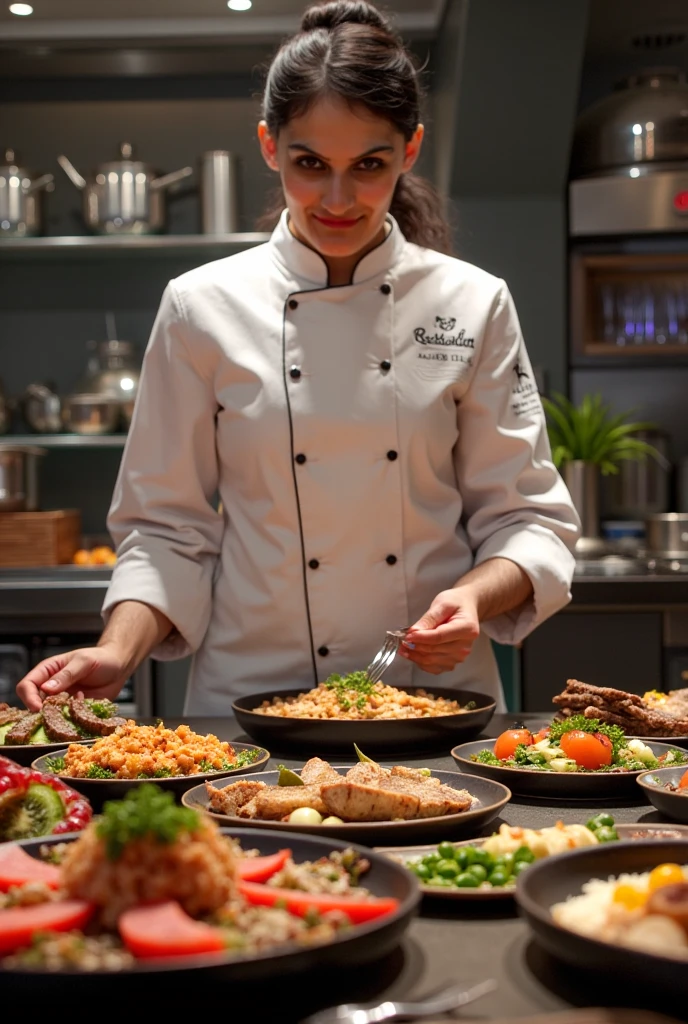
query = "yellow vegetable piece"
x=665 y=874
x=630 y=897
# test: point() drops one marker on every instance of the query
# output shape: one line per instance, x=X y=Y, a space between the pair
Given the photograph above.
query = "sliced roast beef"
x=21 y=731
x=8 y=714
x=84 y=715
x=58 y=728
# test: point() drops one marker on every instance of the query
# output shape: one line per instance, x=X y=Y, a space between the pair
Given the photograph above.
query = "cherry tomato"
x=506 y=743
x=683 y=782
x=585 y=749
x=604 y=739
x=541 y=734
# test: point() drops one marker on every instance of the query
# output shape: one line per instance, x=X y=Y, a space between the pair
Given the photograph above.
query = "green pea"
x=600 y=821
x=520 y=866
x=499 y=877
x=422 y=871
x=466 y=881
x=446 y=851
x=606 y=834
x=437 y=880
x=470 y=852
x=461 y=857
x=447 y=869
x=432 y=860
x=505 y=861
x=524 y=855
x=484 y=858
x=478 y=871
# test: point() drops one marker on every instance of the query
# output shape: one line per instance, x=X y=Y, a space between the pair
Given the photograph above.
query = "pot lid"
x=644 y=122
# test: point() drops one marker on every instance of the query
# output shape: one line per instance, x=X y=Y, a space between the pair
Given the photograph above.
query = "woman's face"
x=339 y=166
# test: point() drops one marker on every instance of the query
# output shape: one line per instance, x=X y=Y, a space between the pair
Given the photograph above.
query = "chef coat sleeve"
x=166 y=530
x=516 y=505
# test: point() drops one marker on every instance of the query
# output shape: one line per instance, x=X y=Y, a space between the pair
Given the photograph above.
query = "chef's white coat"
x=369 y=444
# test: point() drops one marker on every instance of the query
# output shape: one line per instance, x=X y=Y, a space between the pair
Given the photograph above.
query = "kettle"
x=42 y=409
x=125 y=196
x=21 y=213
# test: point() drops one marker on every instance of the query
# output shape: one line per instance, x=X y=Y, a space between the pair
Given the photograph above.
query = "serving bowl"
x=376 y=736
x=653 y=782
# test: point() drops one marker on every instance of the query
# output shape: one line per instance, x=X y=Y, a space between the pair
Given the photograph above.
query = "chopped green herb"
x=95 y=771
x=470 y=706
x=485 y=757
x=242 y=758
x=102 y=708
x=145 y=811
x=55 y=764
x=351 y=688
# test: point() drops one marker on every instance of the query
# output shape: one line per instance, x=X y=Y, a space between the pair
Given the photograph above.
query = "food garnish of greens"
x=350 y=689
x=576 y=744
x=145 y=811
x=241 y=759
x=55 y=764
x=497 y=863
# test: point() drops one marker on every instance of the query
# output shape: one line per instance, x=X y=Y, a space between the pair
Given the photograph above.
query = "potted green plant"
x=588 y=440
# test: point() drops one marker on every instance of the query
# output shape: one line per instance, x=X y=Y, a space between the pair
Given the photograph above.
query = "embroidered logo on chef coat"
x=443 y=350
x=524 y=392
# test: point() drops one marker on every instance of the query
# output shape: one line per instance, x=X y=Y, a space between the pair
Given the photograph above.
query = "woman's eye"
x=309 y=163
x=371 y=163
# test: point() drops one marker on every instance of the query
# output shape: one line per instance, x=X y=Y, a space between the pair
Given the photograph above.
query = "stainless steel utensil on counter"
x=21 y=194
x=450 y=998
x=666 y=536
x=92 y=414
x=219 y=198
x=125 y=196
x=19 y=478
x=42 y=409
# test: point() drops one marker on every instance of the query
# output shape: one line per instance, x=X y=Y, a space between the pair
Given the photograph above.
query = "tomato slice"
x=299 y=903
x=18 y=925
x=506 y=744
x=541 y=734
x=683 y=781
x=585 y=749
x=259 y=869
x=164 y=929
x=17 y=867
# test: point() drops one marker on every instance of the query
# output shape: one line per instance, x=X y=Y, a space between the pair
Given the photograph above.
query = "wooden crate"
x=39 y=538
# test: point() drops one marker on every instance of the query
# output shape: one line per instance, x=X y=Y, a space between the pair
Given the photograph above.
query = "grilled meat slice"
x=84 y=716
x=8 y=714
x=23 y=729
x=366 y=774
x=413 y=775
x=395 y=796
x=276 y=802
x=229 y=799
x=316 y=771
x=58 y=728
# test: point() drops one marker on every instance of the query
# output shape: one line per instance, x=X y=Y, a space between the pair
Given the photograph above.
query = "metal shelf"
x=108 y=245
x=65 y=440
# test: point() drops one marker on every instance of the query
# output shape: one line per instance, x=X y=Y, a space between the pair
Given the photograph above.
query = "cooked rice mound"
x=133 y=751
x=385 y=702
x=197 y=870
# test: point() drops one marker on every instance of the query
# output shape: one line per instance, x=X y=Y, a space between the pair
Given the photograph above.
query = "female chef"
x=364 y=407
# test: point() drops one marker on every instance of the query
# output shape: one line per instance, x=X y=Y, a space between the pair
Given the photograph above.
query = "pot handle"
x=45 y=181
x=71 y=172
x=171 y=178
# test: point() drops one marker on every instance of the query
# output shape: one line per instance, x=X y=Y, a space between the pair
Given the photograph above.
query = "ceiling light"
x=23 y=10
x=239 y=5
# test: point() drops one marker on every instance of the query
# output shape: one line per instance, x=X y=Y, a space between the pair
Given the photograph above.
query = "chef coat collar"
x=310 y=266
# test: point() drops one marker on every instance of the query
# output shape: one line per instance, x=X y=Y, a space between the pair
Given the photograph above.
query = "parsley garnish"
x=145 y=811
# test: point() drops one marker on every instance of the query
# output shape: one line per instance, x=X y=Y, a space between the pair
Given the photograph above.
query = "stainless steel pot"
x=92 y=414
x=644 y=121
x=42 y=409
x=640 y=488
x=124 y=197
x=19 y=478
x=667 y=535
x=219 y=199
x=21 y=193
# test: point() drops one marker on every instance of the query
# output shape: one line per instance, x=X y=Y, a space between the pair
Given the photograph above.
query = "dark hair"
x=348 y=48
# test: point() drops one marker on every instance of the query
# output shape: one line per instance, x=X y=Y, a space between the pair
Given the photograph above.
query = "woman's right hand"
x=93 y=671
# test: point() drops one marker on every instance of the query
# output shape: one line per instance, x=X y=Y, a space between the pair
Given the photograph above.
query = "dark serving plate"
x=489 y=799
x=554 y=879
x=405 y=854
x=327 y=736
x=553 y=785
x=26 y=753
x=674 y=805
x=100 y=790
x=353 y=947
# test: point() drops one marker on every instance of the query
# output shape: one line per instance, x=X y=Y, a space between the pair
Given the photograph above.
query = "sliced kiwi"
x=40 y=735
x=35 y=815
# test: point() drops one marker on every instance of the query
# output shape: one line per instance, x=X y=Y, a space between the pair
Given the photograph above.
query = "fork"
x=386 y=655
x=447 y=999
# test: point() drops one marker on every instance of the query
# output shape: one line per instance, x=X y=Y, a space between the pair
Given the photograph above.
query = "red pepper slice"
x=299 y=903
x=259 y=869
x=17 y=867
x=164 y=929
x=19 y=924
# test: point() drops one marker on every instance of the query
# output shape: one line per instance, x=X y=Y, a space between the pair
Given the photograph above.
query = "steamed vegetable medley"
x=577 y=744
x=497 y=863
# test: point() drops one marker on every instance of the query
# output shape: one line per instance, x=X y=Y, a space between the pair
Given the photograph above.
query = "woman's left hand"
x=444 y=636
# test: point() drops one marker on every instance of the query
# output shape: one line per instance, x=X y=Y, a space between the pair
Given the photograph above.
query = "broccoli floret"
x=485 y=757
x=94 y=771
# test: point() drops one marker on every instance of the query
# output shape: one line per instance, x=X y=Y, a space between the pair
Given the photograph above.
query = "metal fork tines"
x=386 y=655
x=448 y=999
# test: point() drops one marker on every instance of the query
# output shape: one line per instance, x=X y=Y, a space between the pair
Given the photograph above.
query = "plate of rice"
x=176 y=759
x=620 y=908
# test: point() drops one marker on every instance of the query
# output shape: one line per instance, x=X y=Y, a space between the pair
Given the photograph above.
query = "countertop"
x=67 y=590
x=446 y=943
